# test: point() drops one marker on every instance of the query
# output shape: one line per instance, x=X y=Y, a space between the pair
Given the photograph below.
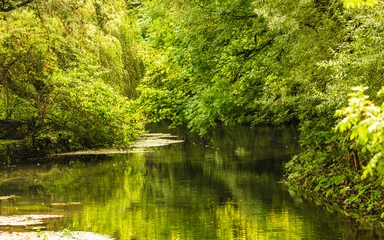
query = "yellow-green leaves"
x=359 y=3
x=68 y=66
x=365 y=122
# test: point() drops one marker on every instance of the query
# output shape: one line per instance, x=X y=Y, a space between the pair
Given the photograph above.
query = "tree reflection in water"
x=226 y=187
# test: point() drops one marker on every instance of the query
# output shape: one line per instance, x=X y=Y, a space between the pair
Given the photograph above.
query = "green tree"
x=239 y=61
x=68 y=70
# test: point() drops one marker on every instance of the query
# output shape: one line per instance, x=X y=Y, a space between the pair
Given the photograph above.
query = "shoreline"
x=338 y=190
x=13 y=149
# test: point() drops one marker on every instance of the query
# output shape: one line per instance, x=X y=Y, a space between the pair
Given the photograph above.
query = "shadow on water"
x=226 y=187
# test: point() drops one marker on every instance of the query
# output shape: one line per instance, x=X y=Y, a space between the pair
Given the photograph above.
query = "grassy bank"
x=337 y=188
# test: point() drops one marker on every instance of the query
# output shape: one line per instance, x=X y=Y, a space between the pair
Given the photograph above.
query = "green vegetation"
x=5 y=142
x=77 y=74
x=68 y=70
x=195 y=193
x=273 y=62
x=365 y=120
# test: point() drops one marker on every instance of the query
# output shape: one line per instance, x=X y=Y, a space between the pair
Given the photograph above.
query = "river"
x=227 y=187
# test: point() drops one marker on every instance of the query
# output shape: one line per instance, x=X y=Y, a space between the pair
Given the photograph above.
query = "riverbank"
x=35 y=223
x=224 y=188
x=337 y=188
x=15 y=150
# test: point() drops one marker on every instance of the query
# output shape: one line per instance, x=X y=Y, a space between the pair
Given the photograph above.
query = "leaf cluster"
x=365 y=122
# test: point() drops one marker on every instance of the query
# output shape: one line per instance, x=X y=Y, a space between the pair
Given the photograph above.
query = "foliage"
x=365 y=121
x=359 y=3
x=326 y=153
x=91 y=113
x=238 y=61
x=67 y=69
x=159 y=105
x=335 y=187
x=70 y=71
x=265 y=62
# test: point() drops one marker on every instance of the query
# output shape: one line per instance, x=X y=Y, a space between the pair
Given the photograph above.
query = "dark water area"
x=227 y=187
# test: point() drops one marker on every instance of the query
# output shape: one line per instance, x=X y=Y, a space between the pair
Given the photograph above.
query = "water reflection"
x=223 y=188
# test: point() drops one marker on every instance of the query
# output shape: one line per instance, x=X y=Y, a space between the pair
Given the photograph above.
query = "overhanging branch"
x=248 y=54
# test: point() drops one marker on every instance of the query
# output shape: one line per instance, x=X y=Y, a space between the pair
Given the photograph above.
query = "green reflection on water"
x=224 y=188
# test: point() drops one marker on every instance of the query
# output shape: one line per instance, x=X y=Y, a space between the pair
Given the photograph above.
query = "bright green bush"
x=365 y=123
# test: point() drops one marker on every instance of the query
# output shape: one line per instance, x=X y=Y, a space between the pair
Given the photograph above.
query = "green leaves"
x=93 y=113
x=365 y=122
x=216 y=54
x=359 y=3
x=66 y=68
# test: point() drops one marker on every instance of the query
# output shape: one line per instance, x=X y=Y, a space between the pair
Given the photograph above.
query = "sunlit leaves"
x=66 y=73
x=365 y=121
x=94 y=113
x=215 y=53
x=359 y=3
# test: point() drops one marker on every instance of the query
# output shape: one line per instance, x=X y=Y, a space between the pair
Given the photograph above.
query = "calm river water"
x=227 y=187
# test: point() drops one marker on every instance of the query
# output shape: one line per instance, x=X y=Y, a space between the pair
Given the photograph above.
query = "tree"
x=239 y=61
x=67 y=75
x=267 y=62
